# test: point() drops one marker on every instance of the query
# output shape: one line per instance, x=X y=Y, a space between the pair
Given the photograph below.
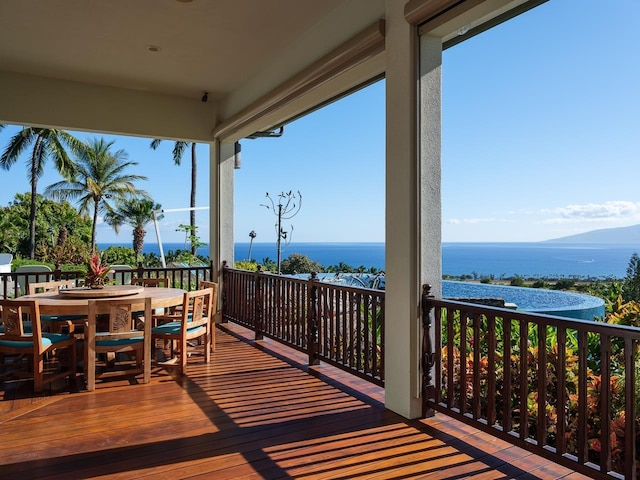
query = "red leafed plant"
x=97 y=274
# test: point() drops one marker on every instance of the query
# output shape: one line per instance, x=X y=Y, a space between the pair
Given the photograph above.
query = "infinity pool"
x=551 y=302
x=535 y=300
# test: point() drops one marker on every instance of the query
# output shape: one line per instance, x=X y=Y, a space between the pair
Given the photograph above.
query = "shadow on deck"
x=253 y=413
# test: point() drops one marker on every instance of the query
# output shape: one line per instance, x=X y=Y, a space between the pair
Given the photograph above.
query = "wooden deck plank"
x=256 y=412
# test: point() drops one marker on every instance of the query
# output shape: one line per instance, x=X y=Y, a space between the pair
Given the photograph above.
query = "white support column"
x=221 y=201
x=402 y=260
x=430 y=151
x=413 y=217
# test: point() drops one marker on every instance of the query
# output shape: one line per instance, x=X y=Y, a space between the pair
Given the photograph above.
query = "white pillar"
x=221 y=204
x=413 y=216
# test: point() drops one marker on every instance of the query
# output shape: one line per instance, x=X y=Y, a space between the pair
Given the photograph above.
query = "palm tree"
x=178 y=151
x=100 y=180
x=137 y=213
x=46 y=143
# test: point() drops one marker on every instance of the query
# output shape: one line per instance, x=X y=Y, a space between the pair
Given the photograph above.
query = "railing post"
x=223 y=291
x=140 y=271
x=259 y=296
x=428 y=355
x=57 y=273
x=312 y=320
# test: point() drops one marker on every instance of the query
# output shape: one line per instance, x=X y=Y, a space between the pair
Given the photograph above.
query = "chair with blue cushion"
x=55 y=323
x=23 y=338
x=192 y=322
x=108 y=352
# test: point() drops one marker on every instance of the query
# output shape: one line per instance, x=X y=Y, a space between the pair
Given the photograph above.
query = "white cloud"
x=614 y=209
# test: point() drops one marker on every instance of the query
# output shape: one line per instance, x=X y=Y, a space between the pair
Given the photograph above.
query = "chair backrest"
x=214 y=297
x=121 y=331
x=120 y=312
x=15 y=314
x=42 y=287
x=40 y=274
x=5 y=262
x=198 y=304
x=151 y=282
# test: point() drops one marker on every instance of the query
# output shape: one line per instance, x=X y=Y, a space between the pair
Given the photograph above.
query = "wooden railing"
x=16 y=284
x=340 y=325
x=562 y=388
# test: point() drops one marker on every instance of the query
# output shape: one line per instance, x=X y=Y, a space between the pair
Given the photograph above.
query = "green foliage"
x=485 y=280
x=631 y=285
x=185 y=257
x=190 y=236
x=137 y=213
x=116 y=255
x=298 y=263
x=45 y=143
x=618 y=312
x=340 y=268
x=539 y=284
x=517 y=282
x=19 y=262
x=62 y=235
x=100 y=181
x=249 y=265
x=564 y=284
x=269 y=265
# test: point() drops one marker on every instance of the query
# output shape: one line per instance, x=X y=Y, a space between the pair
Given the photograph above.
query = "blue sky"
x=540 y=140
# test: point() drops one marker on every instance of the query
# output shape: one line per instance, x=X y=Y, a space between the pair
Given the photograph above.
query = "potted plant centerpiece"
x=97 y=274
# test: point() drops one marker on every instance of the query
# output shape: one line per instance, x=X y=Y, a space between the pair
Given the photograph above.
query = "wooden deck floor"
x=253 y=413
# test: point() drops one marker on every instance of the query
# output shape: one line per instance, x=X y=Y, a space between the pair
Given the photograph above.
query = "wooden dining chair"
x=56 y=323
x=22 y=336
x=108 y=352
x=162 y=282
x=214 y=311
x=192 y=322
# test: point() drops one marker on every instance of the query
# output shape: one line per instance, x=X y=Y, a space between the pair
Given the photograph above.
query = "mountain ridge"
x=629 y=234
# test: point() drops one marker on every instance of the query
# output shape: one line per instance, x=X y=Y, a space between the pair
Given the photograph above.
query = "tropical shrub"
x=470 y=353
x=251 y=266
x=298 y=263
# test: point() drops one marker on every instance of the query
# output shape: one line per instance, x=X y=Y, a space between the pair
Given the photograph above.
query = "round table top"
x=106 y=291
x=55 y=303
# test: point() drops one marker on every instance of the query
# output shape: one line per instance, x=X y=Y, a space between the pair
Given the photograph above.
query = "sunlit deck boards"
x=250 y=414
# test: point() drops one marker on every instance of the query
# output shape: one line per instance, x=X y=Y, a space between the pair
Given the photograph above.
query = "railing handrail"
x=187 y=277
x=576 y=323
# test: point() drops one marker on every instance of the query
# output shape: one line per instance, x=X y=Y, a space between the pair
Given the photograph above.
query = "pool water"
x=538 y=300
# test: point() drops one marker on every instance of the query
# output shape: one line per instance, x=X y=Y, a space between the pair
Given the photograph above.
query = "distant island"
x=606 y=235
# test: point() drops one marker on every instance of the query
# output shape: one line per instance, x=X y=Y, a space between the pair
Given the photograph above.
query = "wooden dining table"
x=75 y=301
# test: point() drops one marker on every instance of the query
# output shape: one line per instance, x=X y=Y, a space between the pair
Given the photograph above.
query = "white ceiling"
x=204 y=45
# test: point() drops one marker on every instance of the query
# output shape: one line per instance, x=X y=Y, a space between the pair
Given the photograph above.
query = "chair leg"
x=183 y=355
x=207 y=345
x=38 y=371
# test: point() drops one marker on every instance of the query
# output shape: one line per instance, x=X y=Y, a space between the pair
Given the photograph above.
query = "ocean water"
x=500 y=260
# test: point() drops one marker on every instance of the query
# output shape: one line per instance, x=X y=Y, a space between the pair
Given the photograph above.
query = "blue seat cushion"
x=61 y=318
x=115 y=342
x=48 y=339
x=26 y=325
x=173 y=328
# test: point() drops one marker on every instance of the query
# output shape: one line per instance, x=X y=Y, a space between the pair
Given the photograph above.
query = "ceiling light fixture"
x=205 y=97
x=153 y=48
